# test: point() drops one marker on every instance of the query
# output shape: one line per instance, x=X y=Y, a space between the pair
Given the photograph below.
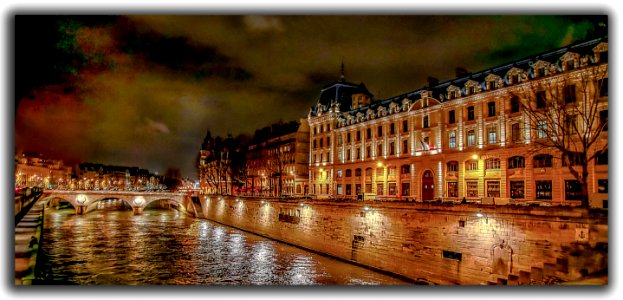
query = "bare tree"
x=567 y=113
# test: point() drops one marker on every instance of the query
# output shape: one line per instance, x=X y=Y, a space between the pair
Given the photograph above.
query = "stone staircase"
x=28 y=234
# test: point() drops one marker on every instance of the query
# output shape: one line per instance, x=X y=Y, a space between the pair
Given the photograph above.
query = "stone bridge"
x=81 y=200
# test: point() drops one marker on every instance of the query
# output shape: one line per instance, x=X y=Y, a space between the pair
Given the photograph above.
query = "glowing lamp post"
x=81 y=207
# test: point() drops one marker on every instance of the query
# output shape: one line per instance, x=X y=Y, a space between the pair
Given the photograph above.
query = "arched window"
x=516 y=162
x=453 y=166
x=492 y=164
x=405 y=169
x=358 y=172
x=542 y=161
x=368 y=171
x=349 y=173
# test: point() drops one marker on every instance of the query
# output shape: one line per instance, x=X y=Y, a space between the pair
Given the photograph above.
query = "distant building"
x=92 y=176
x=34 y=169
x=463 y=138
x=277 y=161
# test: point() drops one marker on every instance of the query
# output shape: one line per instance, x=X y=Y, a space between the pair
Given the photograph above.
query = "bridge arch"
x=82 y=201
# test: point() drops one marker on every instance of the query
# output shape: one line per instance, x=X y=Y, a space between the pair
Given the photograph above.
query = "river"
x=166 y=247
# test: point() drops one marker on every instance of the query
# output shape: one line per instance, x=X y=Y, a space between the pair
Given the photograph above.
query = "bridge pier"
x=137 y=210
x=80 y=210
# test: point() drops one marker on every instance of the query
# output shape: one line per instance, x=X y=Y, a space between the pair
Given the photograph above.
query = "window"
x=544 y=189
x=515 y=79
x=492 y=134
x=321 y=128
x=405 y=126
x=471 y=165
x=339 y=140
x=602 y=186
x=541 y=129
x=314 y=143
x=493 y=85
x=369 y=172
x=542 y=161
x=348 y=137
x=452 y=139
x=358 y=172
x=573 y=158
x=516 y=162
x=358 y=153
x=602 y=157
x=314 y=158
x=368 y=187
x=573 y=190
x=391 y=171
x=453 y=189
x=491 y=107
x=406 y=189
x=492 y=163
x=425 y=122
x=379 y=189
x=379 y=131
x=603 y=56
x=328 y=141
x=515 y=105
x=405 y=146
x=603 y=87
x=515 y=133
x=569 y=93
x=367 y=151
x=570 y=65
x=357 y=189
x=404 y=169
x=339 y=173
x=349 y=190
x=349 y=173
x=393 y=191
x=453 y=166
x=379 y=150
x=425 y=144
x=603 y=119
x=451 y=117
x=348 y=155
x=517 y=190
x=470 y=113
x=358 y=135
x=472 y=90
x=321 y=143
x=391 y=129
x=541 y=72
x=452 y=95
x=379 y=171
x=471 y=138
x=540 y=99
x=368 y=133
x=339 y=189
x=493 y=189
x=471 y=188
x=321 y=157
x=391 y=148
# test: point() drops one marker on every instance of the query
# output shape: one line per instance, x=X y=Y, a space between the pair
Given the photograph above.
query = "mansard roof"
x=341 y=92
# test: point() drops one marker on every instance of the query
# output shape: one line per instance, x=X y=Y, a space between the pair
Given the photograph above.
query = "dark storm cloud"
x=143 y=90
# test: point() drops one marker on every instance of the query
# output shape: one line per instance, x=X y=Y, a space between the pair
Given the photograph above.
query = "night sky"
x=143 y=90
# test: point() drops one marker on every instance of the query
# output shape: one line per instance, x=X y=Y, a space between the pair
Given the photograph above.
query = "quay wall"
x=464 y=244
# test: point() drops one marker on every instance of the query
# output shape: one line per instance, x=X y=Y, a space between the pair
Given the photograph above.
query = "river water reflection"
x=167 y=247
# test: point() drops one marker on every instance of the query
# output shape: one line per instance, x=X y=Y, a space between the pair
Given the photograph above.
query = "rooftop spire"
x=342 y=78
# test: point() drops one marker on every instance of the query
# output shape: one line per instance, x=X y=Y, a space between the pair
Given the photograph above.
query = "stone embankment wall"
x=443 y=244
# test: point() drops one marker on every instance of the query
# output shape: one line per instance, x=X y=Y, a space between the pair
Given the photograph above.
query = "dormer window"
x=452 y=95
x=472 y=90
x=515 y=79
x=603 y=56
x=569 y=65
x=493 y=84
x=540 y=72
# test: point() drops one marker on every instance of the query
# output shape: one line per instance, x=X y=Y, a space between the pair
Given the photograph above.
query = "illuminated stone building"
x=92 y=176
x=277 y=160
x=467 y=138
x=34 y=169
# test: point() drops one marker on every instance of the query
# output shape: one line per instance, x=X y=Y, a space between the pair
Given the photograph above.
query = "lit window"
x=492 y=163
x=452 y=139
x=471 y=165
x=471 y=138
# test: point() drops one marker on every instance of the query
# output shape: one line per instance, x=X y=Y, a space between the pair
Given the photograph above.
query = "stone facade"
x=466 y=138
x=278 y=165
x=458 y=244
